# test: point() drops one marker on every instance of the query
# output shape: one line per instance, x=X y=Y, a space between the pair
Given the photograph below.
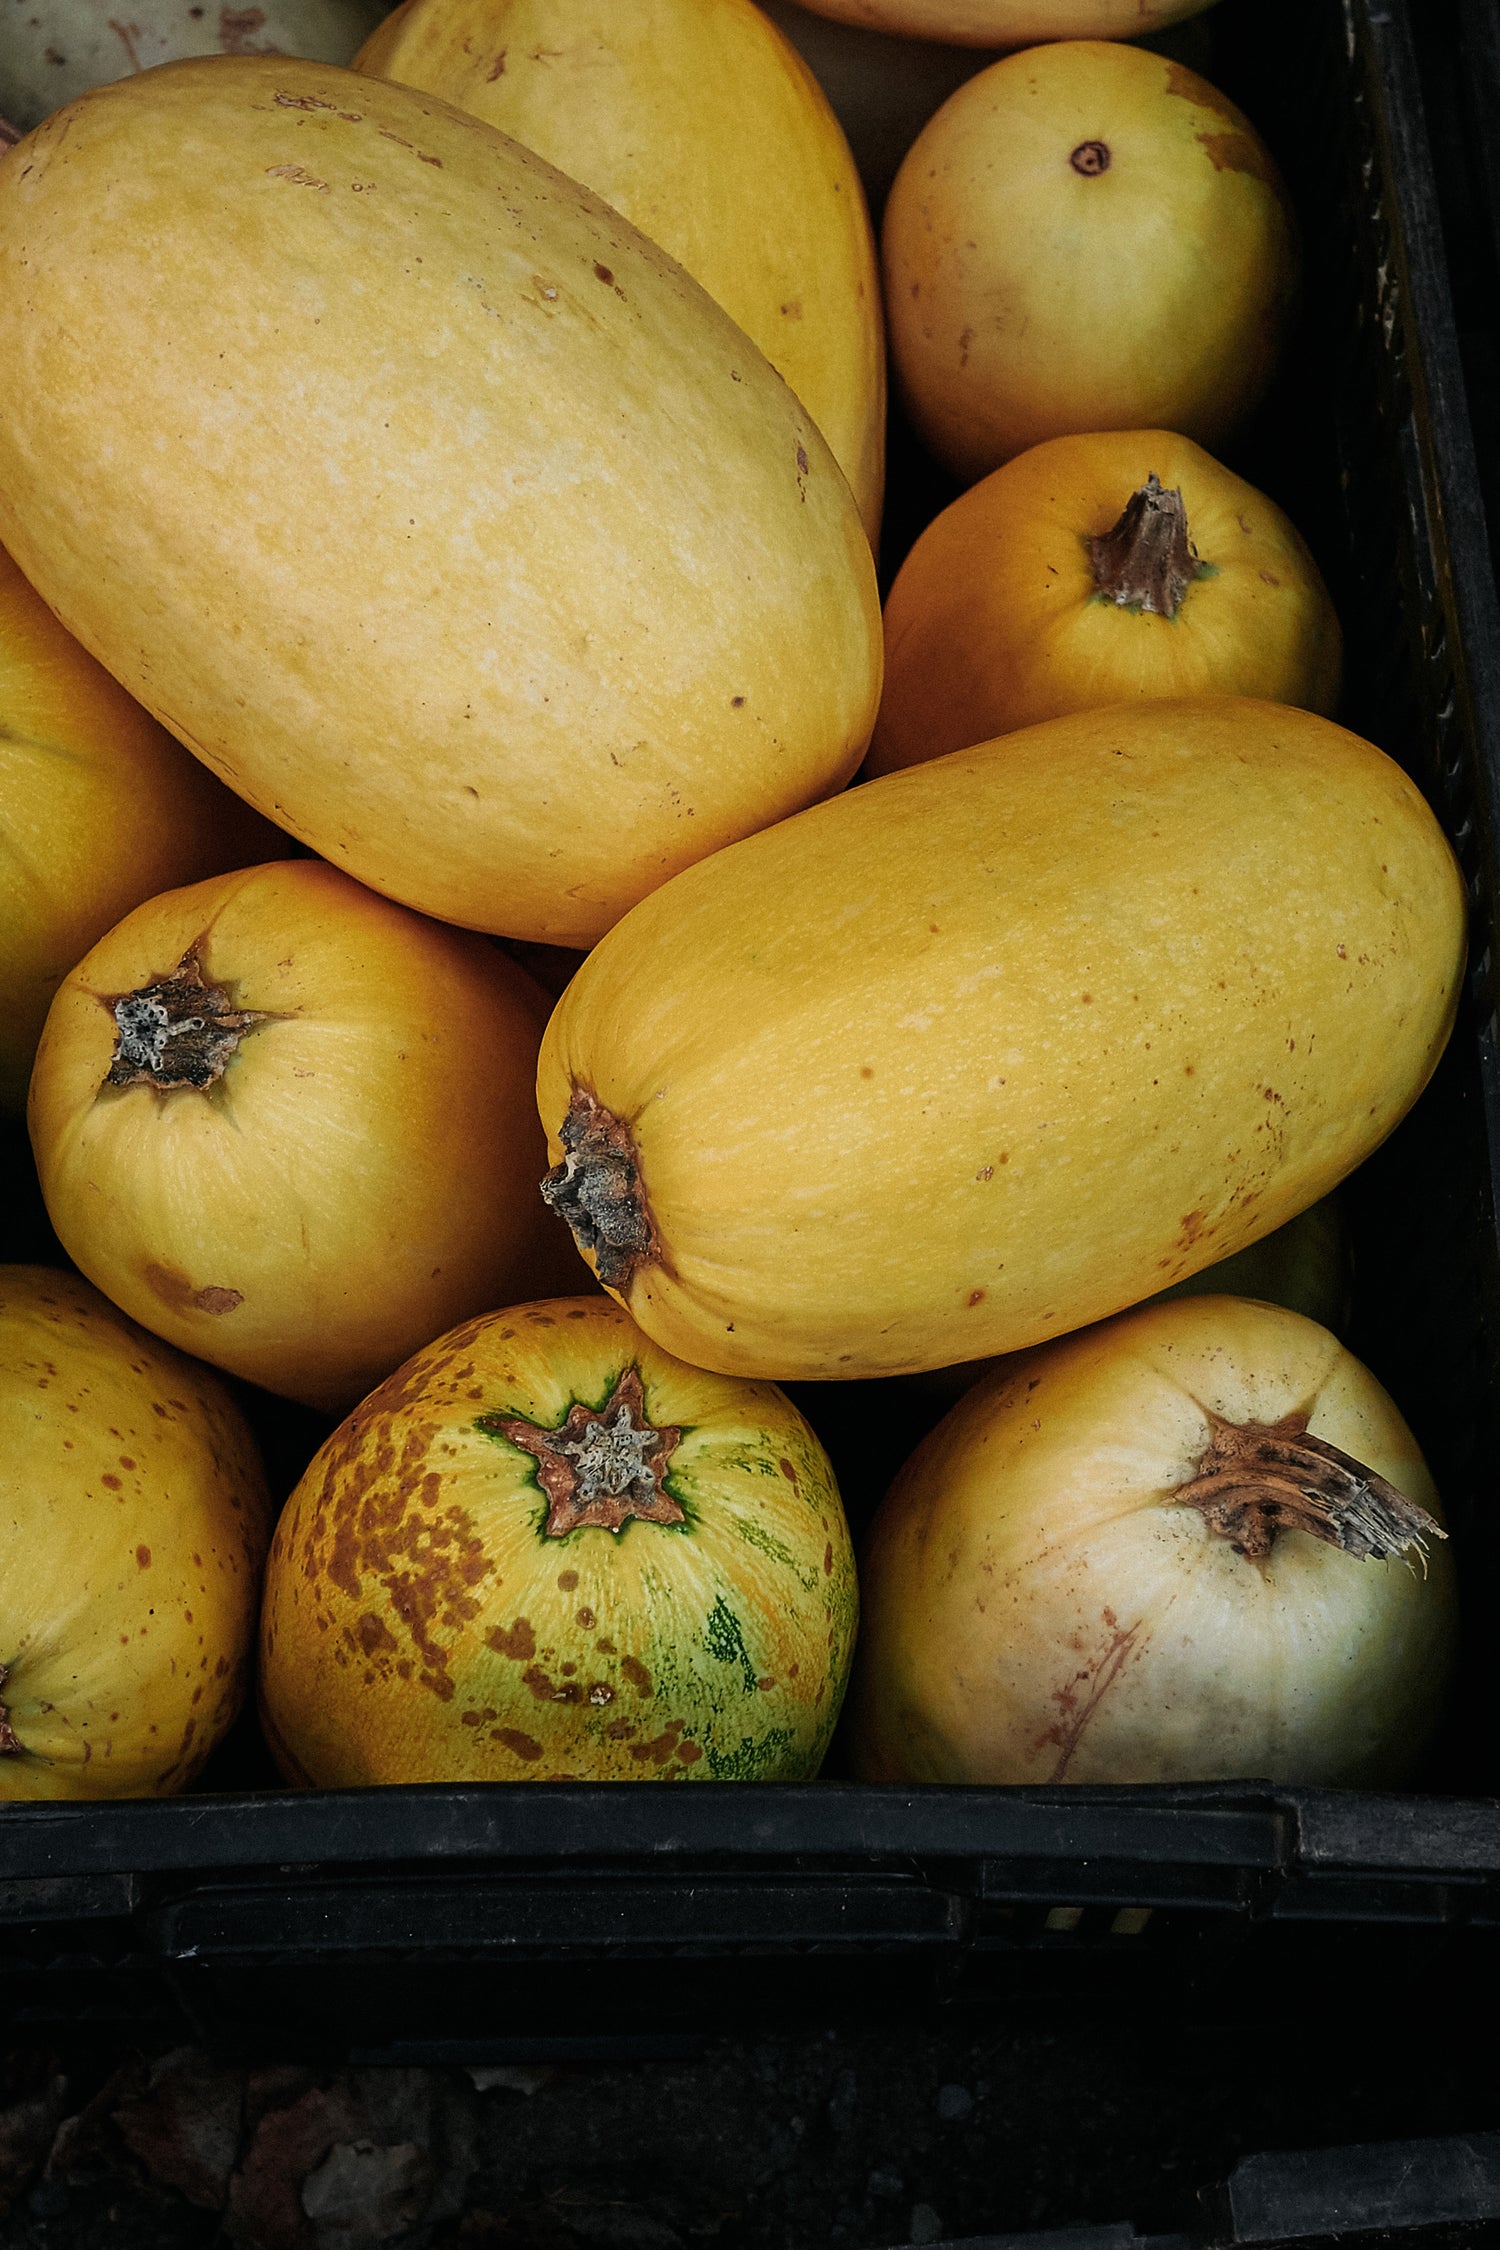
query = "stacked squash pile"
x=441 y=633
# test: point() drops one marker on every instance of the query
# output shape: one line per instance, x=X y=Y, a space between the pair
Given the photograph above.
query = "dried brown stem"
x=597 y=1189
x=180 y=1031
x=1257 y=1478
x=605 y=1465
x=1146 y=560
x=10 y=1741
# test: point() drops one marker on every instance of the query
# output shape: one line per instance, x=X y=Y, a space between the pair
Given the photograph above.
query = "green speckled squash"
x=546 y=1550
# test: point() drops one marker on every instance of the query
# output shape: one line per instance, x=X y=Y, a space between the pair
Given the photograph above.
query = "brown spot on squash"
x=661 y=1747
x=377 y=1515
x=638 y=1676
x=374 y=1634
x=524 y=1745
x=516 y=1641
x=143 y=1558
x=174 y=1290
x=1237 y=152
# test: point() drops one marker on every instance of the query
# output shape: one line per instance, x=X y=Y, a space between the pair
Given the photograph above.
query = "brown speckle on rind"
x=177 y=1293
x=298 y=174
x=143 y=1558
x=375 y=1636
x=1078 y=1698
x=517 y=1641
x=661 y=1747
x=524 y=1745
x=547 y=1690
x=374 y=1518
x=1237 y=152
x=237 y=29
x=638 y=1676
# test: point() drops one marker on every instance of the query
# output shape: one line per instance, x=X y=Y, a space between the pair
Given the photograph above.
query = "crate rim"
x=1246 y=1828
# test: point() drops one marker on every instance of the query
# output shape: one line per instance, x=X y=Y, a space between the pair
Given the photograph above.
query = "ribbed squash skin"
x=426 y=500
x=1041 y=1605
x=996 y=620
x=99 y=809
x=420 y=1625
x=135 y=1522
x=999 y=1044
x=1147 y=285
x=701 y=123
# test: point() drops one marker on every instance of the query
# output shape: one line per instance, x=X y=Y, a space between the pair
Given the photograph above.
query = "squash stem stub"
x=10 y=1741
x=180 y=1031
x=597 y=1189
x=1146 y=560
x=605 y=1465
x=1254 y=1479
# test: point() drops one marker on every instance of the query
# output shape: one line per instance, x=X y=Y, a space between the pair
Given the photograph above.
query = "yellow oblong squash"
x=134 y=1519
x=417 y=492
x=1002 y=1043
x=700 y=122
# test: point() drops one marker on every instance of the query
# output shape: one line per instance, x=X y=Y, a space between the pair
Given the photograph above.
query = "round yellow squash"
x=291 y=1127
x=1090 y=570
x=1198 y=1543
x=99 y=809
x=545 y=1550
x=701 y=123
x=1011 y=23
x=1085 y=237
x=997 y=1045
x=134 y=1528
x=419 y=494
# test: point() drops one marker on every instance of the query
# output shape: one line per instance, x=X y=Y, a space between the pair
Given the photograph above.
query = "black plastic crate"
x=1389 y=2195
x=469 y=1920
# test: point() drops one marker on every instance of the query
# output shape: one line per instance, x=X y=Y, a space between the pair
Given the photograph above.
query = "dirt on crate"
x=858 y=2141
